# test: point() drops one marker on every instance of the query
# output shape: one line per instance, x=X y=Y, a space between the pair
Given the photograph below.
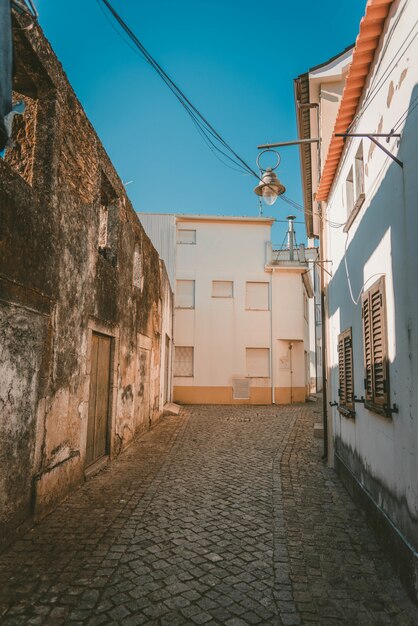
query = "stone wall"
x=69 y=240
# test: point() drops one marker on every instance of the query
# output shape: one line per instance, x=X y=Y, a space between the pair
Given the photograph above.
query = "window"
x=107 y=238
x=318 y=316
x=258 y=365
x=305 y=306
x=222 y=289
x=349 y=191
x=355 y=187
x=257 y=296
x=359 y=173
x=345 y=373
x=138 y=274
x=103 y=219
x=376 y=379
x=185 y=294
x=186 y=236
x=183 y=361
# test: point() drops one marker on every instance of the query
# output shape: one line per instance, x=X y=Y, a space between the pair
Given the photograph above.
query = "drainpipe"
x=322 y=281
x=323 y=330
x=273 y=392
x=314 y=323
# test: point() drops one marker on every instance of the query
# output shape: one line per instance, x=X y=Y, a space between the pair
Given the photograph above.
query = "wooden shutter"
x=368 y=359
x=376 y=380
x=345 y=369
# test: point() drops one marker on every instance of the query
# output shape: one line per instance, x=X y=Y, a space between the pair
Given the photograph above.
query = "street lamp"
x=269 y=187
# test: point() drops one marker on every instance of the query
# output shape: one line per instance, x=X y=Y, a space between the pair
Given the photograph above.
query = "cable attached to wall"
x=356 y=300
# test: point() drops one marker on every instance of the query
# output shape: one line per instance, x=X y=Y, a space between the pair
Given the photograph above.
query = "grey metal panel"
x=161 y=229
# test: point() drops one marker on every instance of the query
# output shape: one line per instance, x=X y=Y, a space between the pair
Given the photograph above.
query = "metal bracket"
x=359 y=400
x=390 y=410
x=372 y=137
x=333 y=403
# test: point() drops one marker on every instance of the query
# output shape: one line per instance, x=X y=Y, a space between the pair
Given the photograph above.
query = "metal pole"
x=297 y=142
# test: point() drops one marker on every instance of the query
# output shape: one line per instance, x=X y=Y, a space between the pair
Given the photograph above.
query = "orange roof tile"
x=371 y=27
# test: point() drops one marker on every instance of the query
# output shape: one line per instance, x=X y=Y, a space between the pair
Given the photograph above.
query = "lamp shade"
x=269 y=187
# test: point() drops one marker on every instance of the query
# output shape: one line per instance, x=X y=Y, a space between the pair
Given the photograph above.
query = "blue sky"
x=234 y=59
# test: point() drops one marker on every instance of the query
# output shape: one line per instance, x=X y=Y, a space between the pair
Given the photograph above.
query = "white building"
x=241 y=329
x=369 y=231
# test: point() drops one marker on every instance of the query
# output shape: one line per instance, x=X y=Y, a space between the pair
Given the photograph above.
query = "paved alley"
x=223 y=515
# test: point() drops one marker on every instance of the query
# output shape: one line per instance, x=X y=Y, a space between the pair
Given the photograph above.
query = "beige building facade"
x=241 y=317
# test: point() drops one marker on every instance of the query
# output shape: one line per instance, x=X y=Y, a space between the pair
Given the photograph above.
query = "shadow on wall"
x=393 y=212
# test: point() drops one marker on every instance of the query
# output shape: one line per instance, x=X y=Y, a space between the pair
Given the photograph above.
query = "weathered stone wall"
x=59 y=283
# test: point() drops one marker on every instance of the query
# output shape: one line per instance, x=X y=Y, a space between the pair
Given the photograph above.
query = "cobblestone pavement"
x=223 y=515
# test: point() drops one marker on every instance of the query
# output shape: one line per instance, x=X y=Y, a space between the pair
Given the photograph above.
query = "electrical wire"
x=356 y=300
x=214 y=141
x=299 y=207
x=199 y=119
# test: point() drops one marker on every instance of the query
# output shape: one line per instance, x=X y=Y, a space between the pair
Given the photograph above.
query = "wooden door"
x=97 y=429
x=167 y=370
x=143 y=398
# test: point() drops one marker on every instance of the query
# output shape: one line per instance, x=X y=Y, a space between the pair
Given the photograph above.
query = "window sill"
x=258 y=377
x=354 y=211
x=343 y=410
x=380 y=410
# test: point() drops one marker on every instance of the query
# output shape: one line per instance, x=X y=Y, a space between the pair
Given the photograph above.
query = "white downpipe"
x=273 y=393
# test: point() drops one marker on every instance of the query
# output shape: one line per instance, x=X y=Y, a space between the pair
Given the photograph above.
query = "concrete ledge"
x=171 y=409
x=403 y=557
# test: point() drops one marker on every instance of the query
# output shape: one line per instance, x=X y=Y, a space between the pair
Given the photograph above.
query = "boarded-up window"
x=104 y=214
x=258 y=365
x=186 y=236
x=376 y=378
x=138 y=274
x=222 y=289
x=257 y=296
x=345 y=372
x=185 y=294
x=183 y=361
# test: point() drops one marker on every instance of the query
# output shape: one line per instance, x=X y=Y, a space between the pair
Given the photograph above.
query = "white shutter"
x=186 y=236
x=257 y=296
x=222 y=289
x=185 y=294
x=183 y=361
x=258 y=365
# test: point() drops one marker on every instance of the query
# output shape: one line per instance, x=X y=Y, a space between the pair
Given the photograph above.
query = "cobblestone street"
x=223 y=515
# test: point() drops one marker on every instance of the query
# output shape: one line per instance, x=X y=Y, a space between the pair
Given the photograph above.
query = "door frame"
x=97 y=326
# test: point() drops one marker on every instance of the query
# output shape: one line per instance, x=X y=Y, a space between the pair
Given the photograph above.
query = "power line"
x=215 y=142
x=193 y=112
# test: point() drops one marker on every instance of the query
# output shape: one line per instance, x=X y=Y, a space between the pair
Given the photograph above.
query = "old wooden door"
x=144 y=367
x=167 y=370
x=97 y=429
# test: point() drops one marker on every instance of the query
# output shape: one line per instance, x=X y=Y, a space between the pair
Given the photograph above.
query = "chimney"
x=291 y=237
